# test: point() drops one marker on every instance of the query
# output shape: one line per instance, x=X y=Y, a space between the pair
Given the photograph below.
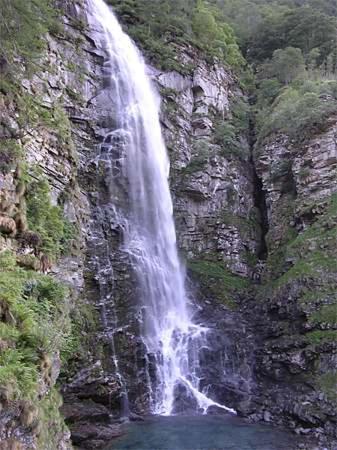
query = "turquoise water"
x=202 y=433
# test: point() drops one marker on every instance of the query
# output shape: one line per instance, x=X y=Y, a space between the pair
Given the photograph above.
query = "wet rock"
x=133 y=417
x=89 y=410
x=184 y=400
x=214 y=410
x=267 y=416
x=92 y=435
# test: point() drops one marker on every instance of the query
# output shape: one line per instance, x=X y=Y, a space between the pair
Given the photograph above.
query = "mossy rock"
x=328 y=384
x=28 y=262
x=319 y=337
x=217 y=280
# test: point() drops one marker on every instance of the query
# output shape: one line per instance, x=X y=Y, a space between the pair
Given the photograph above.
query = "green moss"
x=31 y=113
x=321 y=336
x=51 y=423
x=322 y=232
x=327 y=314
x=245 y=225
x=312 y=253
x=282 y=169
x=195 y=165
x=323 y=294
x=218 y=280
x=328 y=383
x=84 y=325
x=313 y=266
x=250 y=258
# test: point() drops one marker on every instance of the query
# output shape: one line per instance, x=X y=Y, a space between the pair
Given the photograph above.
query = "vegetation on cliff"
x=162 y=27
x=23 y=27
x=292 y=48
x=34 y=329
x=35 y=324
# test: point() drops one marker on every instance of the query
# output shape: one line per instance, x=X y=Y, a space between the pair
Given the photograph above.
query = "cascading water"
x=149 y=236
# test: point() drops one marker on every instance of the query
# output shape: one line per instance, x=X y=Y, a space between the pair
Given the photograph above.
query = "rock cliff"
x=297 y=297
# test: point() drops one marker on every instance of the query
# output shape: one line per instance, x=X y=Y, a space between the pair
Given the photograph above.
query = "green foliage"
x=7 y=260
x=230 y=134
x=285 y=65
x=22 y=27
x=47 y=219
x=35 y=322
x=51 y=422
x=18 y=377
x=288 y=42
x=214 y=36
x=10 y=153
x=159 y=27
x=264 y=26
x=299 y=110
x=156 y=26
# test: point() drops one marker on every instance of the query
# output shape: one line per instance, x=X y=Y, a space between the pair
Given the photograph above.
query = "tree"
x=303 y=28
x=286 y=65
x=204 y=25
x=307 y=29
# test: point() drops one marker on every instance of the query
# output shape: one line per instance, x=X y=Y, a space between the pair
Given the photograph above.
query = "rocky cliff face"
x=298 y=295
x=271 y=315
x=212 y=182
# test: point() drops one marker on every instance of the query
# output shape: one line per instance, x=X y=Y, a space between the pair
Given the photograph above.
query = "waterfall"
x=168 y=331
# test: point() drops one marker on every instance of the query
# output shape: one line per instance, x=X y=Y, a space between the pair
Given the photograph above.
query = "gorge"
x=103 y=310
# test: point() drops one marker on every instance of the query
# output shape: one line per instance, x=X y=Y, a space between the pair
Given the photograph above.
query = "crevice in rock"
x=260 y=204
x=259 y=197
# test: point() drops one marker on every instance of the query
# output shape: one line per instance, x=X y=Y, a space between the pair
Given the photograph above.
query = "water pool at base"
x=202 y=433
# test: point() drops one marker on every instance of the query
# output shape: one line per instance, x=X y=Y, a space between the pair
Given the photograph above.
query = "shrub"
x=7 y=261
x=35 y=322
x=10 y=152
x=46 y=219
x=159 y=26
x=232 y=134
x=297 y=112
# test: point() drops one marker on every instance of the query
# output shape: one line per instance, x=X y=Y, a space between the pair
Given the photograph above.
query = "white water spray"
x=149 y=236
